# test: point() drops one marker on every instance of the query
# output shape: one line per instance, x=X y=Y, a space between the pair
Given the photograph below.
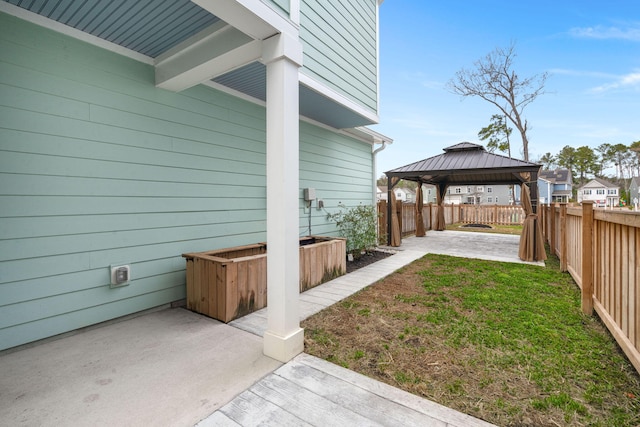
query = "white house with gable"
x=601 y=192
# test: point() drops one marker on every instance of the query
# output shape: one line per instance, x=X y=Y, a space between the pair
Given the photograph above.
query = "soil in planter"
x=307 y=241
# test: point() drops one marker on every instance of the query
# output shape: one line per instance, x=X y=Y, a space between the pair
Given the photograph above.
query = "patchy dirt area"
x=420 y=330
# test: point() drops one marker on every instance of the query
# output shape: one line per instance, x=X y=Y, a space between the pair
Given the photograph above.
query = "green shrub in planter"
x=358 y=225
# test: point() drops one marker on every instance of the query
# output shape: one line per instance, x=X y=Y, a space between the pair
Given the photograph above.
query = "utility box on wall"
x=309 y=194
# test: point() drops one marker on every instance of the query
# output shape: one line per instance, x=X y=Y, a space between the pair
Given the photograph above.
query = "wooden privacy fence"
x=468 y=214
x=601 y=250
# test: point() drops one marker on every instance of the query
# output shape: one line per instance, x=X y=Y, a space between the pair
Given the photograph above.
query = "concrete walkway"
x=176 y=368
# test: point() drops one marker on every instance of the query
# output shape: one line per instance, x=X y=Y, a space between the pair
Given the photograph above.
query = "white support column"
x=284 y=338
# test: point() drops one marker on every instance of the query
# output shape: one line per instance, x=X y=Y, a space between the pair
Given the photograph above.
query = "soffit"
x=153 y=27
x=252 y=80
x=149 y=27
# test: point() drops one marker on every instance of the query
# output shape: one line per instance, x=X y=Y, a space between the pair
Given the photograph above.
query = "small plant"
x=358 y=225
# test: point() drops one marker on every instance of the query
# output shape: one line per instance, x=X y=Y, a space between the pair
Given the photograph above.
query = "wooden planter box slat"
x=229 y=283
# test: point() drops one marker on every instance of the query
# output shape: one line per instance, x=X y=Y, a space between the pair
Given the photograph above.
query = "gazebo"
x=470 y=164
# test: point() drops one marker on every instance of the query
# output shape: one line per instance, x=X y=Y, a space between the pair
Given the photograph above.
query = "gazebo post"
x=533 y=189
x=389 y=226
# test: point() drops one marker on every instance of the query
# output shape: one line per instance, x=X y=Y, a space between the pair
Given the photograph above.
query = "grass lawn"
x=503 y=342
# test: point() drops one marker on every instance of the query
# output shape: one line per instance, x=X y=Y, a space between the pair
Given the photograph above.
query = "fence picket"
x=614 y=263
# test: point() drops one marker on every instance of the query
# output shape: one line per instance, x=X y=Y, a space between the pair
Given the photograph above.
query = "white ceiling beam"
x=210 y=53
x=253 y=17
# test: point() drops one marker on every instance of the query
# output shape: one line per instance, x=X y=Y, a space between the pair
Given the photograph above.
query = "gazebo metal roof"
x=464 y=164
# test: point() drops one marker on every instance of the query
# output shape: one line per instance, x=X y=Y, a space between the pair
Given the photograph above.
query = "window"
x=468 y=189
x=489 y=190
x=600 y=191
x=489 y=199
x=480 y=189
x=586 y=192
x=496 y=200
x=399 y=195
x=471 y=200
x=613 y=192
x=458 y=190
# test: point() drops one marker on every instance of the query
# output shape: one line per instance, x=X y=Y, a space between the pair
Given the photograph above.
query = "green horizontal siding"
x=98 y=167
x=340 y=170
x=285 y=5
x=340 y=47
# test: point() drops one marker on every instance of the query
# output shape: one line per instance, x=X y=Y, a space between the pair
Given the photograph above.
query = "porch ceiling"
x=157 y=28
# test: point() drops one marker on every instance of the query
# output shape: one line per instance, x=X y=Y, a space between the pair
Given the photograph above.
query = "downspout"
x=375 y=179
x=375 y=166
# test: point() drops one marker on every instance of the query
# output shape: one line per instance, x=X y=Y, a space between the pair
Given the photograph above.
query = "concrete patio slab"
x=167 y=368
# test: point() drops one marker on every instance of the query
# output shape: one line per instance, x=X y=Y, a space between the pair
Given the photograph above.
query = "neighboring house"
x=634 y=191
x=429 y=194
x=405 y=195
x=479 y=195
x=555 y=186
x=381 y=192
x=134 y=132
x=601 y=192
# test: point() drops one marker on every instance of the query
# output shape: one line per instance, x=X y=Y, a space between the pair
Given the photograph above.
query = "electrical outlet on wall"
x=120 y=275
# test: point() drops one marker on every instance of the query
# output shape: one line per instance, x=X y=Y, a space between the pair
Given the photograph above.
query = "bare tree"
x=494 y=80
x=635 y=147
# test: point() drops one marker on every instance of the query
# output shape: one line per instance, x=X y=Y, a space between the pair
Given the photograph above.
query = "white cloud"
x=628 y=81
x=601 y=32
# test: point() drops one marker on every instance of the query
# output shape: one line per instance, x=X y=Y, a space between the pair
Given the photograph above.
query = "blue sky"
x=590 y=48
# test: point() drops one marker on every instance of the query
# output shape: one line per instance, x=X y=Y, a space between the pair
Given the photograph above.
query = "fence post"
x=587 y=257
x=552 y=228
x=542 y=214
x=563 y=237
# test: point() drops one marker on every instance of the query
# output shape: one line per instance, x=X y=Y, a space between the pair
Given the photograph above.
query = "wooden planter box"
x=229 y=283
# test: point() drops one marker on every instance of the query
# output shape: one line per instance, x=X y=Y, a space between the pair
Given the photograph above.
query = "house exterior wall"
x=404 y=195
x=340 y=47
x=478 y=194
x=339 y=168
x=545 y=189
x=285 y=5
x=600 y=194
x=99 y=167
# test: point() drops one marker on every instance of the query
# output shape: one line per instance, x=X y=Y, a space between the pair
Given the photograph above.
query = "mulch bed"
x=366 y=259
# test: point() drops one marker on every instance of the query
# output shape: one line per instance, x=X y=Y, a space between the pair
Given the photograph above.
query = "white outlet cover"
x=114 y=270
